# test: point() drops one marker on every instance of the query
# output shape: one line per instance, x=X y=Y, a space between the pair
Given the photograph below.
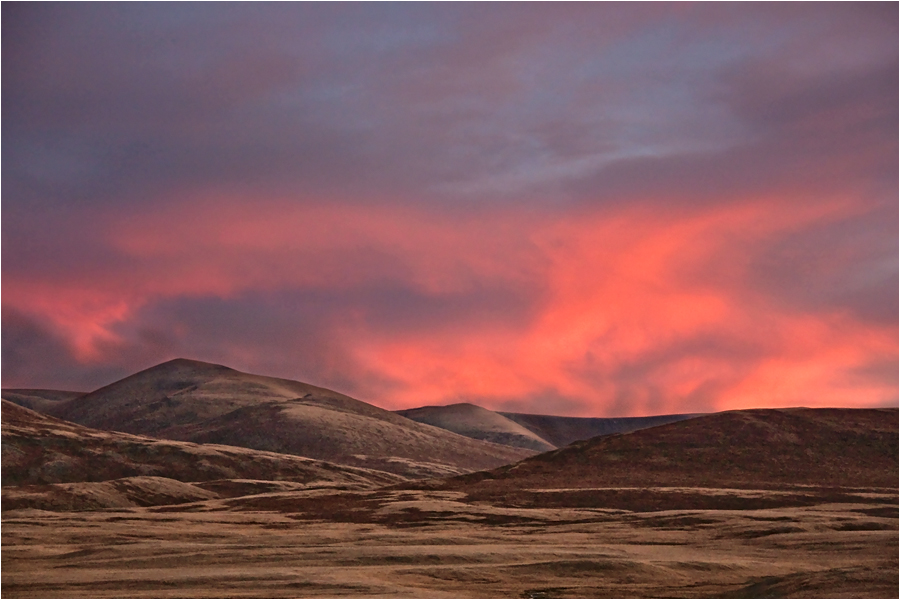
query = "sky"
x=591 y=209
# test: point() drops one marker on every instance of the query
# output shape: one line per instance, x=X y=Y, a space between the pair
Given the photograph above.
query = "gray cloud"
x=36 y=357
x=847 y=265
x=116 y=103
x=117 y=109
x=312 y=329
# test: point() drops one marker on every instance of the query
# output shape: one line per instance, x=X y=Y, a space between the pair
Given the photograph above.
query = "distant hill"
x=478 y=423
x=204 y=403
x=39 y=400
x=39 y=449
x=763 y=448
x=535 y=432
x=562 y=431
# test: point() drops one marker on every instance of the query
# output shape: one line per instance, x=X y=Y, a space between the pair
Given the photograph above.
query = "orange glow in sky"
x=599 y=209
x=624 y=313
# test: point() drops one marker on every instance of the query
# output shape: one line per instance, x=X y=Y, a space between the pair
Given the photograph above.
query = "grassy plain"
x=403 y=543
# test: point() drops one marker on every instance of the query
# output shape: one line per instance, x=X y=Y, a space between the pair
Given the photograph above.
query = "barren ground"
x=754 y=503
x=193 y=401
x=414 y=543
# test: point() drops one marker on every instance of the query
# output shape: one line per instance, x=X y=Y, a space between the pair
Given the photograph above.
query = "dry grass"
x=787 y=503
x=478 y=423
x=38 y=449
x=203 y=403
x=439 y=544
x=747 y=448
x=562 y=431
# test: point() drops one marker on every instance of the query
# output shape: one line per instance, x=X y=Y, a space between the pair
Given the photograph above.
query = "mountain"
x=763 y=448
x=535 y=432
x=212 y=404
x=562 y=431
x=39 y=449
x=478 y=423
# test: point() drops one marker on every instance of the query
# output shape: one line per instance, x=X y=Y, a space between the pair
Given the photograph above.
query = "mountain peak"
x=188 y=363
x=194 y=401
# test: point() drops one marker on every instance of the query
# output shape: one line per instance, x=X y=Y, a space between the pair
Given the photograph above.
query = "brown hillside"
x=478 y=423
x=39 y=400
x=739 y=449
x=204 y=403
x=117 y=493
x=38 y=449
x=562 y=431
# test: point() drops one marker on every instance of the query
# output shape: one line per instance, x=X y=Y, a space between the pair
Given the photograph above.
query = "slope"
x=764 y=448
x=562 y=431
x=205 y=403
x=39 y=449
x=478 y=423
x=39 y=400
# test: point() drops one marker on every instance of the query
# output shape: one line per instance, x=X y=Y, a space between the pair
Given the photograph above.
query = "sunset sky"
x=589 y=209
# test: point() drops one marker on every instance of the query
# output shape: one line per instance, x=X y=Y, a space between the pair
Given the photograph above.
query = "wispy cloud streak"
x=581 y=209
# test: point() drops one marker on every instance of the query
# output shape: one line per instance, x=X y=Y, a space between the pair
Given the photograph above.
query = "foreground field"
x=751 y=503
x=419 y=543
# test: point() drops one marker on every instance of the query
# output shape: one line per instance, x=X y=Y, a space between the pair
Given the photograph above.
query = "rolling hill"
x=39 y=449
x=478 y=423
x=199 y=402
x=39 y=400
x=562 y=431
x=535 y=432
x=763 y=448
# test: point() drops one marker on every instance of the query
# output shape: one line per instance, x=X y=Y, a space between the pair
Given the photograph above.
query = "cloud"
x=33 y=354
x=627 y=310
x=593 y=209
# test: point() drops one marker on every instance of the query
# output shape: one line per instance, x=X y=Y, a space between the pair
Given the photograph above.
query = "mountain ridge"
x=39 y=449
x=193 y=401
x=538 y=432
x=759 y=448
x=477 y=422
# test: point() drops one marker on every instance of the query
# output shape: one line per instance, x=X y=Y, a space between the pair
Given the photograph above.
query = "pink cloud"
x=653 y=308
